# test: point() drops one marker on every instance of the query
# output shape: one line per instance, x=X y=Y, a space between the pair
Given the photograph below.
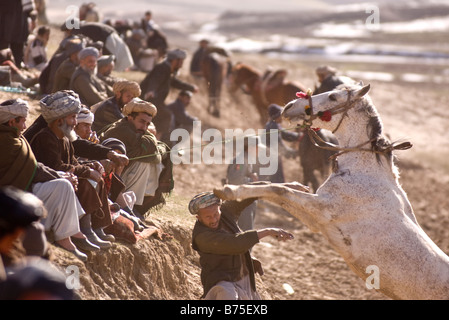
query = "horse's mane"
x=374 y=127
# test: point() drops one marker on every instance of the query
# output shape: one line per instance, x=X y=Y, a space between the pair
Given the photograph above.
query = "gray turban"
x=176 y=54
x=14 y=108
x=105 y=60
x=203 y=200
x=59 y=105
x=89 y=51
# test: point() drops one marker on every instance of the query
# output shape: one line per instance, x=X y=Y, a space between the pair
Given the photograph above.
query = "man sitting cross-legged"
x=149 y=173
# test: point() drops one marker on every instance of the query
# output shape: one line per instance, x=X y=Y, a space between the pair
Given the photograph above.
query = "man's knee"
x=222 y=291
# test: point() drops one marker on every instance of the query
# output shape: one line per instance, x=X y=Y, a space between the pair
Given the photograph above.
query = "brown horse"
x=265 y=89
x=215 y=65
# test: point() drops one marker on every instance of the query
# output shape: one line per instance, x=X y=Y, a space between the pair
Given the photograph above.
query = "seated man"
x=110 y=110
x=36 y=50
x=56 y=189
x=66 y=69
x=149 y=173
x=53 y=147
x=227 y=268
x=105 y=65
x=85 y=82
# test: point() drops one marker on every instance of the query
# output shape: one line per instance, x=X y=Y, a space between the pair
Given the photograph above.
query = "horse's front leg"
x=293 y=197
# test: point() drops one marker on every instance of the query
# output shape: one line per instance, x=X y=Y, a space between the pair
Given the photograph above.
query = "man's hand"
x=119 y=160
x=71 y=177
x=277 y=233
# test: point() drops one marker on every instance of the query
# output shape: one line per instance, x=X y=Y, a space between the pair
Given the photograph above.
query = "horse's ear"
x=362 y=91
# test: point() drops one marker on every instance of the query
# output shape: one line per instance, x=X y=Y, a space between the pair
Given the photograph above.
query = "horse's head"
x=320 y=109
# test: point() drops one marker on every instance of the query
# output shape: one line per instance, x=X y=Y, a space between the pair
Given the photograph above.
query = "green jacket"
x=146 y=146
x=223 y=254
x=18 y=165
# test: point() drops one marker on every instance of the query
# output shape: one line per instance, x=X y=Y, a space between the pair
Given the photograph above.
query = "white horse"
x=361 y=209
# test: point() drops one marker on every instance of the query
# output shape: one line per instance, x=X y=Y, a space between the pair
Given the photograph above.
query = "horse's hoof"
x=224 y=194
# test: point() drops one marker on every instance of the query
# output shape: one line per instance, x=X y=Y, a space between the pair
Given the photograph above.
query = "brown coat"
x=90 y=89
x=59 y=155
x=225 y=252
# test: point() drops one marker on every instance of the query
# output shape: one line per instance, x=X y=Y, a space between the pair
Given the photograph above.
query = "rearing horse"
x=253 y=82
x=361 y=209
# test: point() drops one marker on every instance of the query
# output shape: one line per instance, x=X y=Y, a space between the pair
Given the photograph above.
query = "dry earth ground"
x=154 y=269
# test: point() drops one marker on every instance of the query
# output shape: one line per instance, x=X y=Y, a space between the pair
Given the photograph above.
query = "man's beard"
x=89 y=71
x=68 y=132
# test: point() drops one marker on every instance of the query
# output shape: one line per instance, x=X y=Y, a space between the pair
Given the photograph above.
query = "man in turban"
x=53 y=147
x=110 y=110
x=105 y=65
x=156 y=87
x=328 y=79
x=149 y=173
x=65 y=71
x=19 y=168
x=227 y=268
x=85 y=82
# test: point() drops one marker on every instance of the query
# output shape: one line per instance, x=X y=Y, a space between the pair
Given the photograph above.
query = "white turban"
x=85 y=116
x=59 y=105
x=11 y=109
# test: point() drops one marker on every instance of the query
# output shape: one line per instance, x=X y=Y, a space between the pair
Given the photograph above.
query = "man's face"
x=177 y=64
x=18 y=123
x=89 y=63
x=141 y=122
x=67 y=126
x=210 y=216
x=83 y=129
x=185 y=100
x=107 y=70
x=124 y=97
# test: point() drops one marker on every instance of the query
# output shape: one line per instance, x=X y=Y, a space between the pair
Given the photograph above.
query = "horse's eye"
x=332 y=97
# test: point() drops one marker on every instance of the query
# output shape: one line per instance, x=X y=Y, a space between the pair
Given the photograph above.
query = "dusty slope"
x=156 y=269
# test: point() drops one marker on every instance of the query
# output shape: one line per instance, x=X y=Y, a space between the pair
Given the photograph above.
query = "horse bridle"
x=342 y=108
